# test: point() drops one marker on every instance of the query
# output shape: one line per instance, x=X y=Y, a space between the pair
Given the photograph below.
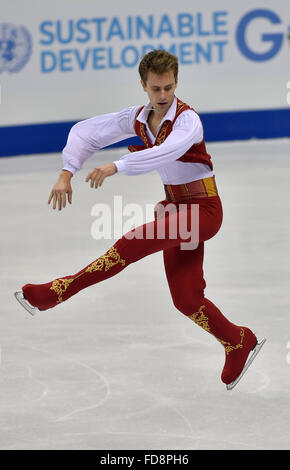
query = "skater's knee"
x=188 y=304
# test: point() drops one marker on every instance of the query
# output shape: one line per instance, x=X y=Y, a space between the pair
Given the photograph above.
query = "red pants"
x=184 y=271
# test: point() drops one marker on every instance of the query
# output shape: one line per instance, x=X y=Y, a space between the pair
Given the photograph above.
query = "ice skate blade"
x=22 y=300
x=255 y=351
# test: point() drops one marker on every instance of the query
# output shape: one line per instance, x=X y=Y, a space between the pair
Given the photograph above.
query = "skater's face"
x=160 y=90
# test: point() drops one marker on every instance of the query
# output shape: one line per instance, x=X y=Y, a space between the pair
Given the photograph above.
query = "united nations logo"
x=15 y=47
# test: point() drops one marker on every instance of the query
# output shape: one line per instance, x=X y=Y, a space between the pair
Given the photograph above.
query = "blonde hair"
x=158 y=61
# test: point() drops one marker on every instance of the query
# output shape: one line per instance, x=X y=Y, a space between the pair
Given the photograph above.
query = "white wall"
x=99 y=68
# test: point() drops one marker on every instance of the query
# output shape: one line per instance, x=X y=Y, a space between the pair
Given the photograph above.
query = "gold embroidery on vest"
x=144 y=135
x=132 y=148
x=109 y=259
x=162 y=133
x=179 y=105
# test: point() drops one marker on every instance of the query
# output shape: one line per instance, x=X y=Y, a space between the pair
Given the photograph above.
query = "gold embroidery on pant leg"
x=105 y=260
x=229 y=347
x=60 y=286
x=109 y=259
x=201 y=320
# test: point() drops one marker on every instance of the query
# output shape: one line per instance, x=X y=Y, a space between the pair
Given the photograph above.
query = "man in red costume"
x=173 y=139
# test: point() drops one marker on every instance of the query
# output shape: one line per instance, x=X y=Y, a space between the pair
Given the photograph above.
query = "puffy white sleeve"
x=187 y=130
x=90 y=135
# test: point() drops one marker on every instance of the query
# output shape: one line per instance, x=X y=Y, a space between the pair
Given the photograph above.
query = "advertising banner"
x=63 y=61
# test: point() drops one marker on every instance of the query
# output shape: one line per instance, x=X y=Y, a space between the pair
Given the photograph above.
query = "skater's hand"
x=98 y=174
x=59 y=191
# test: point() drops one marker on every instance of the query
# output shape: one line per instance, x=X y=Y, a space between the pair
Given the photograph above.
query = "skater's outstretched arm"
x=61 y=190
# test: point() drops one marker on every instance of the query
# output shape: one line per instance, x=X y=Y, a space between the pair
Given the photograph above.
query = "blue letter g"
x=275 y=39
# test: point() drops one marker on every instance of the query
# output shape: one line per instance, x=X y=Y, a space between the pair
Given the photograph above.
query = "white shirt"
x=90 y=135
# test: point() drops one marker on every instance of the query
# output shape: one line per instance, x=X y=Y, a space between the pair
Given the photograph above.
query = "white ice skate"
x=253 y=355
x=22 y=300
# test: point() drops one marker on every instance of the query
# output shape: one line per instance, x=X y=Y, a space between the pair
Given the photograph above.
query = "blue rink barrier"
x=221 y=126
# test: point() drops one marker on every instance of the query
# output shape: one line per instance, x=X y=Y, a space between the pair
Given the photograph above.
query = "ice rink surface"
x=117 y=366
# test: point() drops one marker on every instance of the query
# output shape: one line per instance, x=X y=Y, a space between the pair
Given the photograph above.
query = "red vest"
x=196 y=154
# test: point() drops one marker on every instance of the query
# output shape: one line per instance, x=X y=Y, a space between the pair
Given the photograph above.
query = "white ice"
x=117 y=366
